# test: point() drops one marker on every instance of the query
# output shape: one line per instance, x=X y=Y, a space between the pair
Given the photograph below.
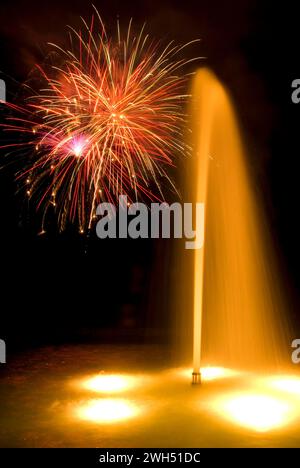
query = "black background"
x=65 y=287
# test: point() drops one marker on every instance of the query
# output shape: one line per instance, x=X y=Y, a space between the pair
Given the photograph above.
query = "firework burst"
x=108 y=120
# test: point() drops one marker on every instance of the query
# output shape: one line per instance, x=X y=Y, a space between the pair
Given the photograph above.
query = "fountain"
x=110 y=395
x=235 y=280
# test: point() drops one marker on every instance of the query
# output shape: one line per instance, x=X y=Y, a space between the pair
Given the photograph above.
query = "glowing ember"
x=106 y=410
x=258 y=412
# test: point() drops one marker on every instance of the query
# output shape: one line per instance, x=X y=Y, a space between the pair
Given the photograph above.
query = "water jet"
x=237 y=302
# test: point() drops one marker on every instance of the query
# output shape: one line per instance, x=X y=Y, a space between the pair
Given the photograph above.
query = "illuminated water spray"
x=202 y=155
x=235 y=280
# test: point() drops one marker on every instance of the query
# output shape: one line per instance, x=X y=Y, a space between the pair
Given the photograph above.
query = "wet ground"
x=118 y=396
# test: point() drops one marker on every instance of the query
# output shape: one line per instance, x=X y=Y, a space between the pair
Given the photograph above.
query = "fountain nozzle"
x=196 y=378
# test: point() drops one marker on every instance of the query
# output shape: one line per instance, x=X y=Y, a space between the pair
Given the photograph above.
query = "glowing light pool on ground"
x=255 y=411
x=109 y=383
x=106 y=410
x=258 y=404
x=210 y=373
x=289 y=384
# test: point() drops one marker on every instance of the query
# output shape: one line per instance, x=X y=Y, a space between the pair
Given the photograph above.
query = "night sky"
x=60 y=288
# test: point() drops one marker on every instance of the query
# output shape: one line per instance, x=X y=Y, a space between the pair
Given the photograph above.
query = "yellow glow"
x=287 y=383
x=258 y=412
x=109 y=383
x=211 y=373
x=107 y=410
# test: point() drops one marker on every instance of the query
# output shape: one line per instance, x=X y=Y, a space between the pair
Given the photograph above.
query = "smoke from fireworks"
x=108 y=120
